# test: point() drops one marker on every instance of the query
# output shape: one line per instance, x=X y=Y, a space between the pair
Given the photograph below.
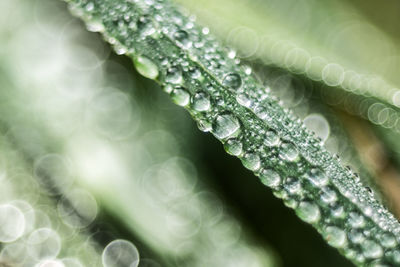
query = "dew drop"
x=328 y=195
x=174 y=75
x=270 y=178
x=244 y=100
x=317 y=177
x=204 y=125
x=201 y=102
x=271 y=138
x=180 y=96
x=145 y=26
x=182 y=37
x=335 y=236
x=288 y=152
x=337 y=211
x=146 y=67
x=355 y=236
x=95 y=26
x=292 y=185
x=262 y=112
x=355 y=220
x=388 y=240
x=225 y=125
x=232 y=80
x=251 y=161
x=120 y=253
x=233 y=147
x=308 y=212
x=370 y=249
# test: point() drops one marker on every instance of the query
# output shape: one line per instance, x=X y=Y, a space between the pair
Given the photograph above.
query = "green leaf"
x=225 y=99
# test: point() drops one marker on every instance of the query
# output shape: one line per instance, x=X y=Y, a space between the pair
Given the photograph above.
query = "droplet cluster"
x=200 y=75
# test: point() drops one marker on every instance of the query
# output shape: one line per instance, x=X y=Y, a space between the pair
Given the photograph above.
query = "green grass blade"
x=225 y=99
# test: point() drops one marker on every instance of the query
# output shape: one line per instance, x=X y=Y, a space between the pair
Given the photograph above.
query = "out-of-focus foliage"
x=98 y=168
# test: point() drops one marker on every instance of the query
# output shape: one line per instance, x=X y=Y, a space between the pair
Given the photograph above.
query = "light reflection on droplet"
x=120 y=253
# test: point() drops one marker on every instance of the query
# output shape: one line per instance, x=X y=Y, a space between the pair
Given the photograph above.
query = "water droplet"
x=292 y=185
x=317 y=177
x=271 y=138
x=204 y=125
x=233 y=147
x=251 y=161
x=180 y=96
x=356 y=236
x=270 y=178
x=146 y=67
x=145 y=26
x=328 y=195
x=337 y=211
x=355 y=220
x=370 y=249
x=244 y=100
x=262 y=112
x=288 y=152
x=120 y=253
x=195 y=73
x=182 y=37
x=335 y=236
x=173 y=75
x=388 y=240
x=232 y=80
x=225 y=125
x=95 y=26
x=201 y=102
x=308 y=212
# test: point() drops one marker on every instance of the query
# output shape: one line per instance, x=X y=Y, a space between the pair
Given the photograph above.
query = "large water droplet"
x=317 y=177
x=182 y=37
x=371 y=250
x=225 y=125
x=173 y=75
x=244 y=100
x=271 y=138
x=388 y=240
x=328 y=195
x=232 y=80
x=180 y=96
x=337 y=211
x=288 y=152
x=270 y=178
x=201 y=102
x=146 y=67
x=292 y=185
x=251 y=161
x=355 y=220
x=308 y=212
x=335 y=236
x=355 y=236
x=233 y=147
